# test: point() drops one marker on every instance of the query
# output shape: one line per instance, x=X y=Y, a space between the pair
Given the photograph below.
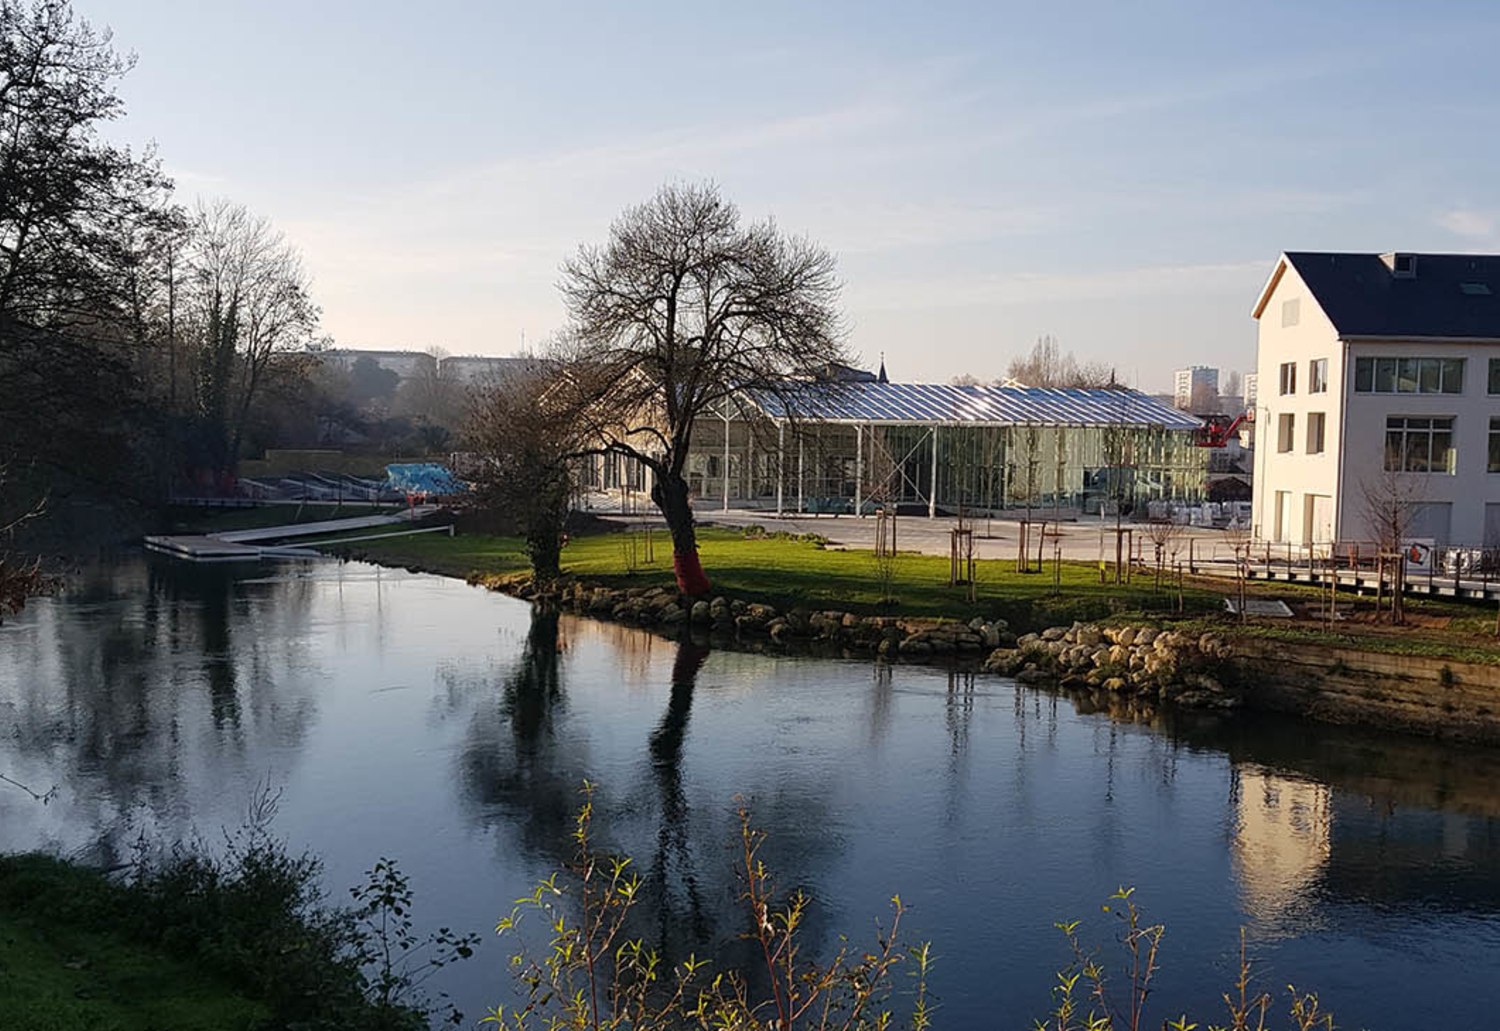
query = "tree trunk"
x=670 y=493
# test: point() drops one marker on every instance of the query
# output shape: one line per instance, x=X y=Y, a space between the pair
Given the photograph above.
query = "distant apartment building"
x=1252 y=390
x=406 y=364
x=1196 y=388
x=484 y=370
x=1383 y=379
x=464 y=369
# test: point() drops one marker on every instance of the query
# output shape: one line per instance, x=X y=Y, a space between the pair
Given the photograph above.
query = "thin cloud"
x=1469 y=222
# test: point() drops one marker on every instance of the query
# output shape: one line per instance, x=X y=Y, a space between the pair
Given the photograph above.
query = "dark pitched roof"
x=1451 y=295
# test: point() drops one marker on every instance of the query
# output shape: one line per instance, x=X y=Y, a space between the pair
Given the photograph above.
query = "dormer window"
x=1404 y=266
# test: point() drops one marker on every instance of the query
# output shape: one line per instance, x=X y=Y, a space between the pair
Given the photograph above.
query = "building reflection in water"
x=1282 y=837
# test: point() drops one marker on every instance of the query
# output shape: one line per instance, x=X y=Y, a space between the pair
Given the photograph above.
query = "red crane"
x=1218 y=431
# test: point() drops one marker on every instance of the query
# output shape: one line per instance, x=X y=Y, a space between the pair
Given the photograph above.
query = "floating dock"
x=241 y=546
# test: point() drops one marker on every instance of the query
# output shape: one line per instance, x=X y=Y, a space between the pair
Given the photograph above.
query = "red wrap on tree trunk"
x=691 y=579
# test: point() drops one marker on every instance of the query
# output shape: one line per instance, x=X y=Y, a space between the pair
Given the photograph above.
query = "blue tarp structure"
x=429 y=478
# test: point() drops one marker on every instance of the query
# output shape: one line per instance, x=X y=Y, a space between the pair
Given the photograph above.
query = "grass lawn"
x=797 y=573
x=63 y=968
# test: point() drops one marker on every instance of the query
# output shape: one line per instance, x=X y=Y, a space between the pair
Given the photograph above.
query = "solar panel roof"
x=944 y=403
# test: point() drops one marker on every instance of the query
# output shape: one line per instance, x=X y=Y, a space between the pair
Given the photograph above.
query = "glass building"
x=842 y=447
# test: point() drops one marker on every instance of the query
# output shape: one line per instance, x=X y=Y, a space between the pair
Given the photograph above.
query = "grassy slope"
x=791 y=573
x=62 y=968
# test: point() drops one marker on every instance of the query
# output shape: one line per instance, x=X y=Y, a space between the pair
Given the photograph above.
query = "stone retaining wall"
x=1440 y=697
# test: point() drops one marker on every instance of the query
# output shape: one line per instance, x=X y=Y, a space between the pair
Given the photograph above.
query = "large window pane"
x=1429 y=375
x=1442 y=452
x=1418 y=446
x=1453 y=375
x=1495 y=375
x=1385 y=375
x=1393 y=455
x=1406 y=376
x=1364 y=375
x=1494 y=445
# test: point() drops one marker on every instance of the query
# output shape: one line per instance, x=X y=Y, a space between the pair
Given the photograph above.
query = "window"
x=1317 y=376
x=1285 y=429
x=1291 y=312
x=1288 y=377
x=1419 y=445
x=1495 y=376
x=1415 y=376
x=1494 y=444
x=1315 y=423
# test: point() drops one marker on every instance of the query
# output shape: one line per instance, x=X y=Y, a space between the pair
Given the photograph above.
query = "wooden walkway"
x=239 y=546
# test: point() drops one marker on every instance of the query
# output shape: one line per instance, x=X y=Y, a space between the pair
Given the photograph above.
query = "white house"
x=1376 y=368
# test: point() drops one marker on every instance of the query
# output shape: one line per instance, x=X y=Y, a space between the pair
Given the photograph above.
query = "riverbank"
x=793 y=573
x=65 y=965
x=1439 y=675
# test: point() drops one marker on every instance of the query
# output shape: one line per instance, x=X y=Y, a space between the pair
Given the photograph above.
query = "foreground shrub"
x=254 y=914
x=595 y=975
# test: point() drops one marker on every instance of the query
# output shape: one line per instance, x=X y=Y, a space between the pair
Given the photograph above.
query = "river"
x=415 y=717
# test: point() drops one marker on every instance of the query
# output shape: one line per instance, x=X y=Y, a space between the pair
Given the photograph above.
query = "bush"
x=595 y=975
x=256 y=916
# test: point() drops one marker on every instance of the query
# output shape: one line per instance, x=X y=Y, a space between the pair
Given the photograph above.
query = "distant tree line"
x=148 y=342
x=1047 y=365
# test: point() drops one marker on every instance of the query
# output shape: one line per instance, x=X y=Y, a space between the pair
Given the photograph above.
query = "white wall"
x=1300 y=475
x=1471 y=486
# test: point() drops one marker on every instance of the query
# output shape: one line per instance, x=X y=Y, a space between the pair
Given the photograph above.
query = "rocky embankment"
x=1153 y=664
x=663 y=608
x=1165 y=665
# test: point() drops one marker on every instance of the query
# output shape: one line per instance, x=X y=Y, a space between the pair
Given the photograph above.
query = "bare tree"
x=1234 y=385
x=1163 y=533
x=681 y=310
x=1026 y=487
x=527 y=440
x=1391 y=500
x=1239 y=537
x=966 y=379
x=1046 y=365
x=250 y=298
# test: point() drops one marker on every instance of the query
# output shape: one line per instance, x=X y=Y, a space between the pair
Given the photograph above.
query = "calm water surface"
x=415 y=717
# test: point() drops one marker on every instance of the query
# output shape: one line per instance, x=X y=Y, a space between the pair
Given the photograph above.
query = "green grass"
x=62 y=967
x=799 y=574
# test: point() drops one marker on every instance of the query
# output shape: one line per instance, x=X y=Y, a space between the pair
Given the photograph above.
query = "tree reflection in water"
x=673 y=850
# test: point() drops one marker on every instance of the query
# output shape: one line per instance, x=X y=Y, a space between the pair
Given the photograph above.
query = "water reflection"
x=416 y=717
x=673 y=862
x=140 y=684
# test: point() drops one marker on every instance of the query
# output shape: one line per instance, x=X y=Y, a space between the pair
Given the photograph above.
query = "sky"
x=1121 y=176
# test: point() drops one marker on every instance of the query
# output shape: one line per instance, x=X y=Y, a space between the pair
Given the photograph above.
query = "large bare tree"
x=250 y=301
x=684 y=308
